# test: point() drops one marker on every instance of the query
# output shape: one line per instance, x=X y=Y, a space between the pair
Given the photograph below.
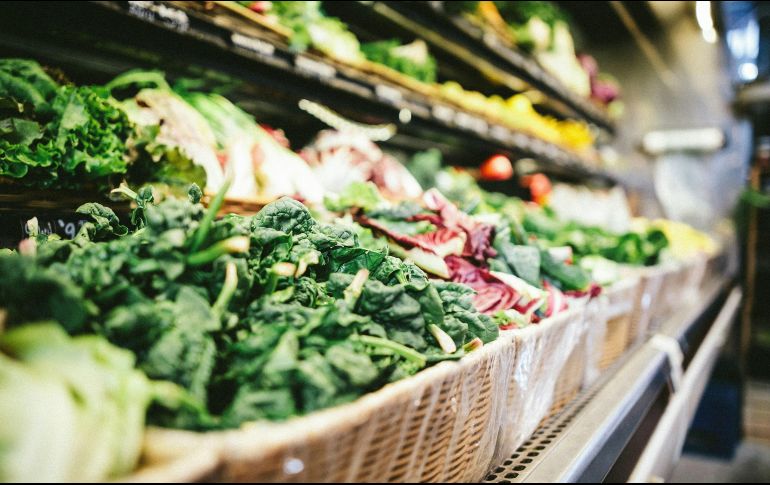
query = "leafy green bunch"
x=262 y=317
x=50 y=135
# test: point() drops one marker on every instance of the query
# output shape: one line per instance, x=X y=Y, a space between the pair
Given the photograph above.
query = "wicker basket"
x=572 y=374
x=570 y=379
x=619 y=315
x=541 y=352
x=440 y=425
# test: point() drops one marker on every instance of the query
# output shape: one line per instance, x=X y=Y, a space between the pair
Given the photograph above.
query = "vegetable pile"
x=54 y=135
x=516 y=279
x=642 y=246
x=137 y=128
x=262 y=317
x=73 y=408
x=311 y=27
x=411 y=59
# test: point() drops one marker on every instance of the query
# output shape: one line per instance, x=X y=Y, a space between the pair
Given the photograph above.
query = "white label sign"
x=152 y=11
x=252 y=44
x=314 y=67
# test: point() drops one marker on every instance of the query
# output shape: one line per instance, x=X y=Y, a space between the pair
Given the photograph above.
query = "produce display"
x=359 y=273
x=61 y=135
x=587 y=246
x=412 y=59
x=516 y=280
x=310 y=27
x=518 y=113
x=542 y=29
x=76 y=137
x=73 y=407
x=262 y=317
x=339 y=158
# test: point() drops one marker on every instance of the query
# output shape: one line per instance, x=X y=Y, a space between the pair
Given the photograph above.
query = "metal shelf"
x=481 y=52
x=602 y=434
x=110 y=37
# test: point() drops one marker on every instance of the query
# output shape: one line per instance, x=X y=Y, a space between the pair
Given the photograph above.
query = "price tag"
x=500 y=133
x=469 y=122
x=62 y=227
x=521 y=140
x=159 y=13
x=392 y=95
x=491 y=40
x=320 y=69
x=443 y=113
x=252 y=44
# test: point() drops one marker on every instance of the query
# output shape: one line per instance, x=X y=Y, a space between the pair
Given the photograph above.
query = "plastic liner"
x=619 y=313
x=571 y=377
x=596 y=331
x=541 y=352
x=650 y=287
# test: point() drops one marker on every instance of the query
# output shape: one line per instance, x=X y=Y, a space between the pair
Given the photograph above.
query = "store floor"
x=751 y=463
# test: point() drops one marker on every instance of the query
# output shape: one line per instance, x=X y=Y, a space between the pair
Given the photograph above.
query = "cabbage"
x=73 y=408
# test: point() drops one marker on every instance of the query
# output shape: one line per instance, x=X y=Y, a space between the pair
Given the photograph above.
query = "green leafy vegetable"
x=73 y=408
x=262 y=317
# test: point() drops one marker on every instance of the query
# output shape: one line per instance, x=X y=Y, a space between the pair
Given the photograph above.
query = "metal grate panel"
x=516 y=468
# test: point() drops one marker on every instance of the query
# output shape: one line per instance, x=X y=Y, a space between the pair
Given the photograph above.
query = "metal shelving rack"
x=483 y=52
x=110 y=37
x=631 y=424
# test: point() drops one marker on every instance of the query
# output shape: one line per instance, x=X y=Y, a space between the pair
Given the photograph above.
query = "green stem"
x=228 y=289
x=353 y=292
x=278 y=270
x=395 y=347
x=474 y=344
x=208 y=219
x=237 y=244
x=123 y=189
x=444 y=340
x=142 y=78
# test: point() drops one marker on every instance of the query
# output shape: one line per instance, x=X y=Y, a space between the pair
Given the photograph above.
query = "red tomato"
x=497 y=167
x=539 y=186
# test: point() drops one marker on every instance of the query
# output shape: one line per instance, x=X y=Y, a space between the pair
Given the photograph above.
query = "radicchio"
x=403 y=240
x=492 y=295
x=479 y=235
x=342 y=157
